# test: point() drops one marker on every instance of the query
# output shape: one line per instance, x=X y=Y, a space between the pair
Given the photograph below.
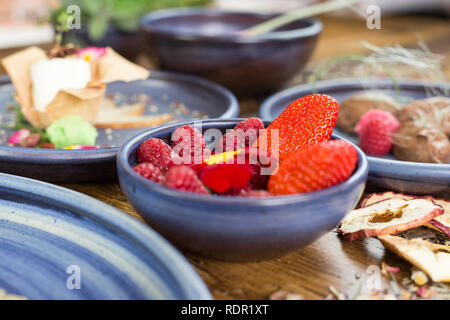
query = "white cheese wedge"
x=50 y=76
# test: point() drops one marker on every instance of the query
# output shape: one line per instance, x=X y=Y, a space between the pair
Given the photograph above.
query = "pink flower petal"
x=18 y=136
x=91 y=53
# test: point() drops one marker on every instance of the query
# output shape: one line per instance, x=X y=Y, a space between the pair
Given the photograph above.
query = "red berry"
x=189 y=144
x=150 y=172
x=305 y=122
x=375 y=129
x=318 y=167
x=236 y=191
x=47 y=145
x=156 y=152
x=243 y=135
x=258 y=161
x=184 y=178
x=222 y=177
x=255 y=124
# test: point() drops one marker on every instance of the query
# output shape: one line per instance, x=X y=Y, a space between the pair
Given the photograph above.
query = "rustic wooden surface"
x=330 y=260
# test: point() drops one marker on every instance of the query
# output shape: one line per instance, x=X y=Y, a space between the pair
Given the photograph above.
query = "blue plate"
x=166 y=90
x=52 y=239
x=386 y=172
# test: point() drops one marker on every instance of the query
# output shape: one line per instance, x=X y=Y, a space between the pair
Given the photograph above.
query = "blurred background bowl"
x=205 y=42
x=235 y=228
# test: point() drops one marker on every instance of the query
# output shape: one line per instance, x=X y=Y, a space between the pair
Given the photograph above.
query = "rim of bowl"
x=315 y=27
x=358 y=176
x=84 y=156
x=397 y=168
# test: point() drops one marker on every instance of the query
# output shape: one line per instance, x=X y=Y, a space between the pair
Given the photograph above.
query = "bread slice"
x=119 y=121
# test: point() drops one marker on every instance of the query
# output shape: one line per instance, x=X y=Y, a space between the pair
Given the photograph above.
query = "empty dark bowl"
x=235 y=228
x=127 y=44
x=205 y=42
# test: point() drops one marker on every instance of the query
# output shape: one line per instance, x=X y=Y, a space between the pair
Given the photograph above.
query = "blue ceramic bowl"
x=235 y=228
x=205 y=42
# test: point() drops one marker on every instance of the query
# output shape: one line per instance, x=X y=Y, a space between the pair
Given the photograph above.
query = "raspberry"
x=150 y=172
x=222 y=177
x=156 y=152
x=258 y=161
x=243 y=135
x=189 y=144
x=250 y=123
x=374 y=130
x=254 y=193
x=232 y=191
x=305 y=122
x=318 y=167
x=184 y=178
x=258 y=181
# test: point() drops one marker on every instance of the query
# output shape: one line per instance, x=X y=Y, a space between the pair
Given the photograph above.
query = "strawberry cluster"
x=248 y=162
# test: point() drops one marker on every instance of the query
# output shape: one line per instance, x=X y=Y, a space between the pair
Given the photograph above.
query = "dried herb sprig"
x=353 y=57
x=302 y=13
x=396 y=62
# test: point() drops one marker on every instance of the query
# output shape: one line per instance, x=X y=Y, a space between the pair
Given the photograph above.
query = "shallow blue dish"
x=198 y=95
x=49 y=235
x=235 y=228
x=385 y=172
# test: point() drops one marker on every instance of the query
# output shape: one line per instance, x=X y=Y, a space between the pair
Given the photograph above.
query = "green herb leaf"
x=91 y=7
x=97 y=28
x=128 y=25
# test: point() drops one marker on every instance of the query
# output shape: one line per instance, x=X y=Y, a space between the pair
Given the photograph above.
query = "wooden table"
x=330 y=260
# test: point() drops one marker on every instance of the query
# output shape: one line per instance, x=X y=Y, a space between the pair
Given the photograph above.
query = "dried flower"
x=79 y=147
x=385 y=269
x=91 y=53
x=419 y=277
x=31 y=141
x=18 y=136
x=285 y=295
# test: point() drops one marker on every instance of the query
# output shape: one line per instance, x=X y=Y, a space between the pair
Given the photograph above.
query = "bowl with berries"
x=244 y=189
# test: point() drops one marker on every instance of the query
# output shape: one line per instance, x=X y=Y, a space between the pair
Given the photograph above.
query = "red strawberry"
x=243 y=135
x=189 y=144
x=320 y=166
x=184 y=178
x=156 y=152
x=150 y=172
x=375 y=129
x=223 y=177
x=305 y=122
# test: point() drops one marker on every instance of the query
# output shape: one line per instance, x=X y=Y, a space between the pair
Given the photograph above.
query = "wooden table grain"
x=330 y=260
